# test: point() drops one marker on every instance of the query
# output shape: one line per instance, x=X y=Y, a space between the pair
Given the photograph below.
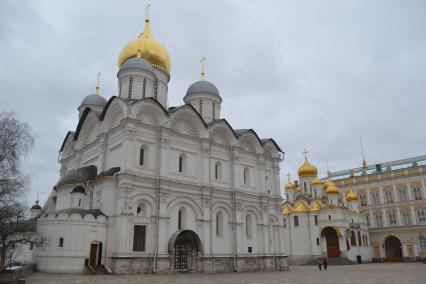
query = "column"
x=384 y=217
x=413 y=215
x=398 y=212
x=424 y=189
x=410 y=194
x=372 y=224
x=395 y=195
x=368 y=197
x=381 y=196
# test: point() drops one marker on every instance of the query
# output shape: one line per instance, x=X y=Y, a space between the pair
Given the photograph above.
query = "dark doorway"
x=100 y=254
x=332 y=240
x=393 y=249
x=184 y=246
x=93 y=253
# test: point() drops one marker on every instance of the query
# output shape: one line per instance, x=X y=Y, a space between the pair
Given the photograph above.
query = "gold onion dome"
x=289 y=184
x=148 y=48
x=352 y=196
x=316 y=181
x=331 y=188
x=307 y=169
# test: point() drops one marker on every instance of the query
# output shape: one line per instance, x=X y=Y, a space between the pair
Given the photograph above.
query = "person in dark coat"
x=324 y=262
x=319 y=263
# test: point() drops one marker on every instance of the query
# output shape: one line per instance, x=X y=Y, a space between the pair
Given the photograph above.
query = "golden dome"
x=316 y=181
x=326 y=184
x=289 y=184
x=307 y=169
x=148 y=48
x=331 y=188
x=352 y=196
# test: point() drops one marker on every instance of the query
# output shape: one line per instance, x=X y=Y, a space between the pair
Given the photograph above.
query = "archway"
x=393 y=249
x=184 y=247
x=332 y=240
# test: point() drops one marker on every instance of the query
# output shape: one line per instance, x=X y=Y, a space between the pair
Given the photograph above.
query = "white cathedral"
x=146 y=188
x=319 y=222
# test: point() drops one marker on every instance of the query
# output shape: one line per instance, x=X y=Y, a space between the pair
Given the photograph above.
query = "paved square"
x=389 y=273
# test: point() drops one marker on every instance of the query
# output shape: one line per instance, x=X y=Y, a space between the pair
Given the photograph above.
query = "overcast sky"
x=314 y=74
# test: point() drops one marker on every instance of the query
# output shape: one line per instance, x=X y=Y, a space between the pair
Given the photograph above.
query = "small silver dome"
x=202 y=87
x=137 y=62
x=94 y=101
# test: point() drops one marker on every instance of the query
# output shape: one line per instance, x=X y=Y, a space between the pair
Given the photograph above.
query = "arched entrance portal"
x=393 y=249
x=184 y=247
x=332 y=240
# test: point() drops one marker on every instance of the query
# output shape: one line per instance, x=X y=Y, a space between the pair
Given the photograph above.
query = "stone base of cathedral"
x=134 y=265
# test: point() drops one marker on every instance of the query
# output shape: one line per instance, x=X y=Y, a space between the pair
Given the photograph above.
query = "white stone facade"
x=318 y=225
x=147 y=188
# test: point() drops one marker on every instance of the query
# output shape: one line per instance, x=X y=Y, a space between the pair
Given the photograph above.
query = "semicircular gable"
x=88 y=131
x=149 y=111
x=222 y=133
x=249 y=142
x=113 y=114
x=271 y=150
x=185 y=121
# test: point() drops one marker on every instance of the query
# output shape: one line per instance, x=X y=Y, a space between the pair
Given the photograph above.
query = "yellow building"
x=393 y=195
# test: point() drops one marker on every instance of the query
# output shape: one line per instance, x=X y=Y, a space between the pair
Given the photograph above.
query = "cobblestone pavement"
x=389 y=273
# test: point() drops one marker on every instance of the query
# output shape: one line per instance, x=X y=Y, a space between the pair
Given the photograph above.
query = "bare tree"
x=16 y=141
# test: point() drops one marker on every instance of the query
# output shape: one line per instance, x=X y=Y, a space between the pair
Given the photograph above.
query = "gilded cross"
x=97 y=82
x=306 y=153
x=147 y=10
x=202 y=61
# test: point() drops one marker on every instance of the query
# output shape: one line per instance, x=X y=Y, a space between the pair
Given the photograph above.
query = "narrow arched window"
x=143 y=88
x=142 y=156
x=129 y=96
x=79 y=203
x=353 y=239
x=218 y=170
x=182 y=163
x=246 y=176
x=61 y=242
x=422 y=244
x=249 y=226
x=181 y=218
x=296 y=221
x=359 y=239
x=219 y=224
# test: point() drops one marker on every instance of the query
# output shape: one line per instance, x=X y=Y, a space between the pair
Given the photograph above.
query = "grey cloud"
x=312 y=74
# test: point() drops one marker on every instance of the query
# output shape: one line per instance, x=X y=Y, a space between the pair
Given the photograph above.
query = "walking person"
x=319 y=263
x=324 y=261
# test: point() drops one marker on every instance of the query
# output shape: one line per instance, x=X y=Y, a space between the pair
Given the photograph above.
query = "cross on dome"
x=306 y=154
x=97 y=83
x=202 y=61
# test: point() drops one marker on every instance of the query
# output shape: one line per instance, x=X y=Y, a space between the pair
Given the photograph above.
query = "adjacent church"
x=145 y=187
x=319 y=223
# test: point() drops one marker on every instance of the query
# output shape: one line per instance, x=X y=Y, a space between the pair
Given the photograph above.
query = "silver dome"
x=94 y=101
x=137 y=62
x=202 y=87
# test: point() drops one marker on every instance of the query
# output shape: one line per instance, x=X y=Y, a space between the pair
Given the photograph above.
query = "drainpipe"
x=234 y=215
x=211 y=208
x=157 y=197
